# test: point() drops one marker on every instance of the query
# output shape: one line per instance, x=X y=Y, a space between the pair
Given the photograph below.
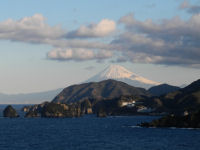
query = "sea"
x=91 y=133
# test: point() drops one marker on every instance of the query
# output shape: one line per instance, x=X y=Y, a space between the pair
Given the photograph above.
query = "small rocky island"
x=10 y=112
x=187 y=121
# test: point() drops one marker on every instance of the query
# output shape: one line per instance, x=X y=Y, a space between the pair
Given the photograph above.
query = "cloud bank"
x=169 y=42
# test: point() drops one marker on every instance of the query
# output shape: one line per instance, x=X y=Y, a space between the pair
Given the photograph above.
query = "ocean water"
x=92 y=133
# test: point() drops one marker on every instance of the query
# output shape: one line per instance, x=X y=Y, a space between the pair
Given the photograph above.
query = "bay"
x=92 y=133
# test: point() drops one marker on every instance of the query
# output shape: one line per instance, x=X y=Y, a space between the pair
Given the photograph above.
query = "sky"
x=46 y=45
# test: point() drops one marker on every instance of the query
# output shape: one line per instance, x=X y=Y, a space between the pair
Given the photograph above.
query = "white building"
x=128 y=104
x=144 y=109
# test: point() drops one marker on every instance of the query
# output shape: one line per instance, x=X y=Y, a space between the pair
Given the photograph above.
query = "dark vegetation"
x=186 y=99
x=107 y=89
x=188 y=121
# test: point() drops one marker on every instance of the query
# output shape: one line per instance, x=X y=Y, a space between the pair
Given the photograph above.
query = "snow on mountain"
x=120 y=73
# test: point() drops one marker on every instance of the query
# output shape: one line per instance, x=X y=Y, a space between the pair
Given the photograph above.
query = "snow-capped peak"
x=122 y=74
x=116 y=71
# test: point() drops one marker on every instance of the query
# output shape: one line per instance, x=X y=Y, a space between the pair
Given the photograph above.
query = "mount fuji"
x=120 y=73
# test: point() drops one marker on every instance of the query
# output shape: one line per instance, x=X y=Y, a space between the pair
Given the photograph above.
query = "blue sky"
x=50 y=44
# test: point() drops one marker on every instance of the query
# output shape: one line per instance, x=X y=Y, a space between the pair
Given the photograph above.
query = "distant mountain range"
x=30 y=98
x=162 y=89
x=120 y=73
x=106 y=89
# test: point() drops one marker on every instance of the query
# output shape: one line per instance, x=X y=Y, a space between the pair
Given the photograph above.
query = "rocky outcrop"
x=59 y=110
x=34 y=108
x=26 y=108
x=10 y=112
x=54 y=110
x=86 y=107
x=32 y=114
x=187 y=121
x=89 y=111
x=101 y=113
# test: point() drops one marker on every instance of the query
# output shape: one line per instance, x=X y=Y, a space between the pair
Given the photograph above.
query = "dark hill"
x=193 y=87
x=187 y=98
x=98 y=91
x=162 y=89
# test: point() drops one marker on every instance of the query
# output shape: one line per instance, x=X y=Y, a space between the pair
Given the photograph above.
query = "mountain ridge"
x=98 y=90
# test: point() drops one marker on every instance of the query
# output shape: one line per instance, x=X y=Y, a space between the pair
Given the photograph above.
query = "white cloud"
x=78 y=54
x=104 y=28
x=29 y=29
